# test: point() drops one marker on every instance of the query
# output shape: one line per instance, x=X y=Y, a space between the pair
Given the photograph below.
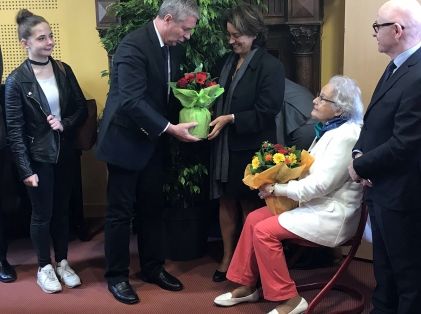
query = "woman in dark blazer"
x=254 y=84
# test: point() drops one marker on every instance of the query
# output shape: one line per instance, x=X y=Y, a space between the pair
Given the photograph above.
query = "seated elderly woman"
x=328 y=211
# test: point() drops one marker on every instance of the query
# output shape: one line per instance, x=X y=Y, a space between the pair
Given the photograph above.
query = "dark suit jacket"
x=2 y=121
x=255 y=102
x=136 y=111
x=296 y=113
x=391 y=139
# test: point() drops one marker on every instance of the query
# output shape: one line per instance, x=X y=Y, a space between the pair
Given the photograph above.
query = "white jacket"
x=329 y=202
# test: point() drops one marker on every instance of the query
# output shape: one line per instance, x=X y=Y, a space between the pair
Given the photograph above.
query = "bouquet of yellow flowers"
x=274 y=163
x=196 y=92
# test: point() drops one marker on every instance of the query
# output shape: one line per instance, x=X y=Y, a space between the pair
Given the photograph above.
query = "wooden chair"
x=326 y=286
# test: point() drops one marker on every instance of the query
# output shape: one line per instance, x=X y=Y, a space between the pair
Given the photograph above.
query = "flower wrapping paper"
x=196 y=106
x=279 y=173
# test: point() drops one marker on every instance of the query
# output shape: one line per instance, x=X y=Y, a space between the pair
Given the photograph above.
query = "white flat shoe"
x=300 y=308
x=226 y=299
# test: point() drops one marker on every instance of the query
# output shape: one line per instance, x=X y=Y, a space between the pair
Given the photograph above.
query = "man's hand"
x=356 y=178
x=55 y=124
x=31 y=181
x=353 y=174
x=218 y=124
x=181 y=131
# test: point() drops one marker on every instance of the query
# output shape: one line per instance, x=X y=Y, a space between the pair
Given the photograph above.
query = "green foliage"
x=132 y=14
x=187 y=170
x=207 y=44
x=187 y=187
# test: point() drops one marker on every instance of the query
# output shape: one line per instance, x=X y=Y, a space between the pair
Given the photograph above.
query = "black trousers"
x=3 y=241
x=50 y=204
x=396 y=259
x=135 y=193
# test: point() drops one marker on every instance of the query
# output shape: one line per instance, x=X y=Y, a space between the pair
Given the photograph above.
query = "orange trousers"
x=259 y=253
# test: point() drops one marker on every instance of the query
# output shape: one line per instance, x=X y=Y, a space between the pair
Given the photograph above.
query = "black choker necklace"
x=39 y=63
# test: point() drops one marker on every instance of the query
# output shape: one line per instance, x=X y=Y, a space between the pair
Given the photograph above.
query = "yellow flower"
x=255 y=162
x=292 y=159
x=278 y=158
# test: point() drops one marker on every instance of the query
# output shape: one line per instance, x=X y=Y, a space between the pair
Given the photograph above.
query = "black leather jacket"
x=30 y=135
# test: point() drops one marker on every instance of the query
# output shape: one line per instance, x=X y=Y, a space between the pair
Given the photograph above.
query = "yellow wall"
x=81 y=49
x=79 y=41
x=362 y=61
x=332 y=40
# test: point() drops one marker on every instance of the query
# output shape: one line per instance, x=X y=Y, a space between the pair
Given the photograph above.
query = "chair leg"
x=353 y=293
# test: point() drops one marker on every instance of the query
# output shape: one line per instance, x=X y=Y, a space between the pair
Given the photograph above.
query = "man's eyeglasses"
x=377 y=26
x=325 y=99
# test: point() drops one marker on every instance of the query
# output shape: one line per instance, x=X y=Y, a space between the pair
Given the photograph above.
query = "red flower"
x=183 y=82
x=195 y=81
x=189 y=76
x=201 y=77
x=280 y=149
x=210 y=83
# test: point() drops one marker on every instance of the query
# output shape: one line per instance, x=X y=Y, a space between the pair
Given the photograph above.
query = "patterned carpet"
x=24 y=296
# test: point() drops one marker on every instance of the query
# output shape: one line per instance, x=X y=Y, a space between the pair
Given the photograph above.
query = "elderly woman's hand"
x=266 y=190
x=276 y=189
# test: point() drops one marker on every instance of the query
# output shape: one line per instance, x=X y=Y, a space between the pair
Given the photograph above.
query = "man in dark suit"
x=7 y=272
x=388 y=161
x=132 y=141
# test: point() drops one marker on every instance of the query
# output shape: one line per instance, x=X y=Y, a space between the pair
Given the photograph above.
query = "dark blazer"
x=2 y=121
x=294 y=122
x=136 y=111
x=29 y=134
x=256 y=100
x=391 y=139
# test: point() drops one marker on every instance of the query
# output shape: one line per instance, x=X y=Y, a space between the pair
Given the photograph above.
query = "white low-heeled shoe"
x=226 y=299
x=300 y=308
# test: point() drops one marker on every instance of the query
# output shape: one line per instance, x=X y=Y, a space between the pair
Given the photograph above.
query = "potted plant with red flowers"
x=196 y=92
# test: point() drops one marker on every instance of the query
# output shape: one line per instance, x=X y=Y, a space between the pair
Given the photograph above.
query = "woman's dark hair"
x=26 y=20
x=248 y=20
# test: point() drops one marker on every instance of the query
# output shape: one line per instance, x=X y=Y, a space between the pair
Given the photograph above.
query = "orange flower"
x=268 y=157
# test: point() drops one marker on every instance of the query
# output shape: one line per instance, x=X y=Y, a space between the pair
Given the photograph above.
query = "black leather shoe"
x=124 y=292
x=7 y=272
x=164 y=280
x=219 y=276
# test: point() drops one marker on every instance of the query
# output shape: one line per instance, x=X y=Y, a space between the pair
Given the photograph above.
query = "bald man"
x=387 y=160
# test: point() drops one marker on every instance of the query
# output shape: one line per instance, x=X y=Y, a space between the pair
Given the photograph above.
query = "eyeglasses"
x=235 y=36
x=377 y=26
x=325 y=99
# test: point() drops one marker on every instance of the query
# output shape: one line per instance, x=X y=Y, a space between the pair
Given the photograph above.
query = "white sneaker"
x=47 y=279
x=67 y=275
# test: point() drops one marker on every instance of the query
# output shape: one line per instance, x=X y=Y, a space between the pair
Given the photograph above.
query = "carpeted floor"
x=24 y=296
